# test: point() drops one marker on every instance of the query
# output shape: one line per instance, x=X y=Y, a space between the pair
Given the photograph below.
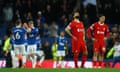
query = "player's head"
x=62 y=33
x=76 y=15
x=117 y=40
x=18 y=23
x=31 y=24
x=102 y=18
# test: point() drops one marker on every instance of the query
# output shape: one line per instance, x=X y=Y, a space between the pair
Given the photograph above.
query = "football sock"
x=84 y=58
x=76 y=61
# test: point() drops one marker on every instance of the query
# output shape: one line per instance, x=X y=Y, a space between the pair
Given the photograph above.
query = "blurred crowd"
x=51 y=16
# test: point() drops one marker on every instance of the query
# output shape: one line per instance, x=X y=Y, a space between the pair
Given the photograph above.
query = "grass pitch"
x=60 y=70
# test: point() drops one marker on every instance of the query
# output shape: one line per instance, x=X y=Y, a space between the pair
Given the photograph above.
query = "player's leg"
x=75 y=51
x=95 y=53
x=15 y=56
x=101 y=54
x=62 y=58
x=23 y=53
x=34 y=55
x=75 y=57
x=58 y=59
x=14 y=59
x=84 y=55
x=40 y=58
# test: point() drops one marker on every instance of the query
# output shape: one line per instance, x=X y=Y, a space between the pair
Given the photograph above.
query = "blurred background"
x=52 y=16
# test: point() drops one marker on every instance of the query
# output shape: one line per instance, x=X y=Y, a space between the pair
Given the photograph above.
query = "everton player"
x=61 y=49
x=19 y=35
x=32 y=34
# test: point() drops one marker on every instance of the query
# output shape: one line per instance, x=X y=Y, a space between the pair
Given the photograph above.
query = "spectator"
x=53 y=30
x=8 y=13
x=47 y=50
x=46 y=32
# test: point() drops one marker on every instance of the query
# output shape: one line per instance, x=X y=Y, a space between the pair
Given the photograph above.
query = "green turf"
x=60 y=70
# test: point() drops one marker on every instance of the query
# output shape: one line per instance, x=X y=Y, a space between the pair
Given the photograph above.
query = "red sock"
x=76 y=61
x=100 y=63
x=84 y=58
x=94 y=63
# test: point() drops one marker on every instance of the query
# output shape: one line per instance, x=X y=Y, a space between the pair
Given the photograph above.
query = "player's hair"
x=100 y=15
x=18 y=22
x=73 y=15
x=30 y=22
x=117 y=39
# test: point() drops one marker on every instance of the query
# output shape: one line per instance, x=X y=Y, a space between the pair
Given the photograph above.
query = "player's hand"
x=28 y=30
x=75 y=38
x=93 y=39
x=105 y=38
x=6 y=53
x=25 y=25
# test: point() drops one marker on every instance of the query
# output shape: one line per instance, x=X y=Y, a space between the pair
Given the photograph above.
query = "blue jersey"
x=62 y=41
x=19 y=35
x=38 y=42
x=32 y=36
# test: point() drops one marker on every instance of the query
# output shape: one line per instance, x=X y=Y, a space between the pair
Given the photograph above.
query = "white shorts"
x=19 y=49
x=31 y=49
x=60 y=53
x=40 y=53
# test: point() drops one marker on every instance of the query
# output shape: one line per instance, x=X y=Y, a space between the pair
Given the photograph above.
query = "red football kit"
x=77 y=30
x=78 y=41
x=100 y=32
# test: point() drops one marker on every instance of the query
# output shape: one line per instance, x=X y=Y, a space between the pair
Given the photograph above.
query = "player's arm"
x=107 y=33
x=67 y=29
x=89 y=32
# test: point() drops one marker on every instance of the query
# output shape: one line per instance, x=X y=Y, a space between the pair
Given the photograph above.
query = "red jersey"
x=77 y=29
x=99 y=31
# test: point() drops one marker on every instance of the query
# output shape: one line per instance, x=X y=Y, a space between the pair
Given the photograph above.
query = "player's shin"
x=34 y=61
x=84 y=58
x=95 y=60
x=15 y=62
x=42 y=59
x=76 y=60
x=23 y=60
x=101 y=58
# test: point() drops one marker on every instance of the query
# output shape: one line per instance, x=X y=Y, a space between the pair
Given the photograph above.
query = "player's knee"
x=95 y=54
x=85 y=53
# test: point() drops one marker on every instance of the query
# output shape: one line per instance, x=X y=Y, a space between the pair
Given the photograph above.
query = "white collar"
x=61 y=37
x=18 y=26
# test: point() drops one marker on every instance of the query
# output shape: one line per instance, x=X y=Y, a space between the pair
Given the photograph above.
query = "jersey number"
x=17 y=36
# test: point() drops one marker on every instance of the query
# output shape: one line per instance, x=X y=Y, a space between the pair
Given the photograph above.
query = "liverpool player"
x=98 y=32
x=76 y=30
